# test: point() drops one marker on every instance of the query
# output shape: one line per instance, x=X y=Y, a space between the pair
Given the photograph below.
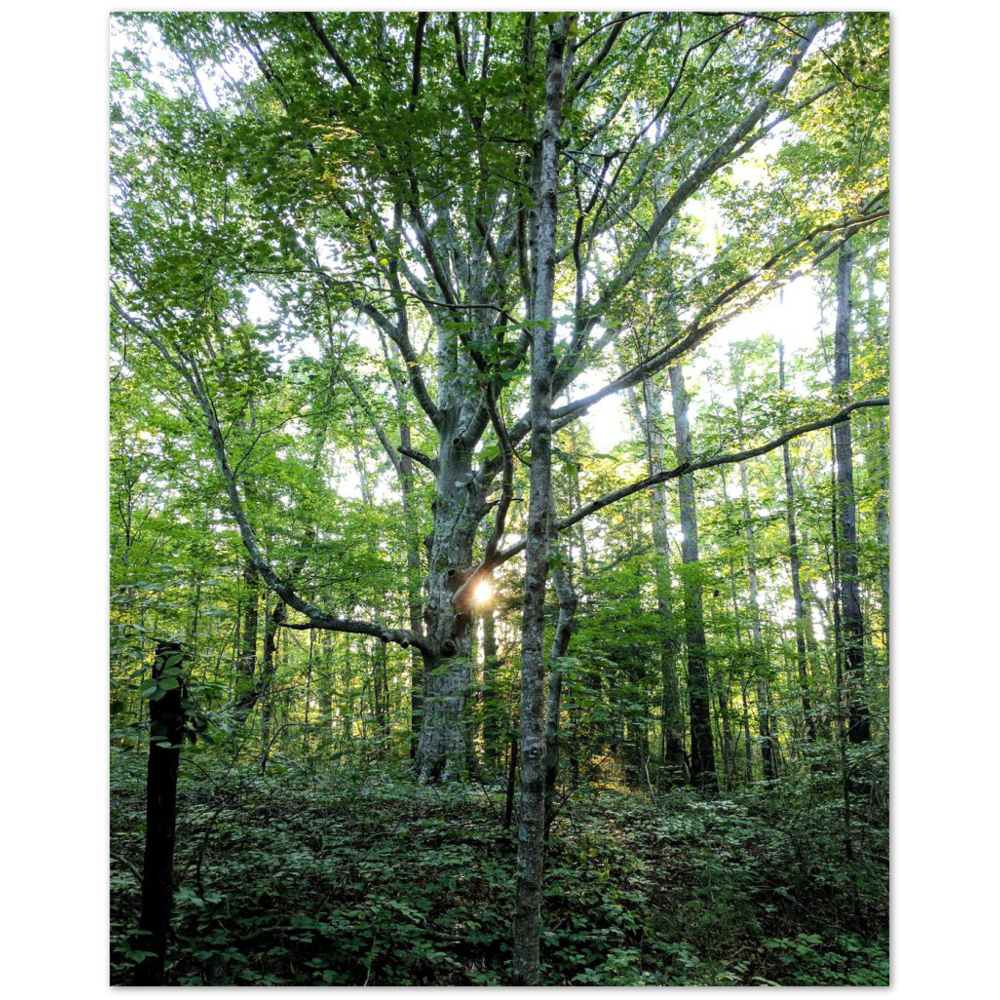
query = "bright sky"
x=795 y=320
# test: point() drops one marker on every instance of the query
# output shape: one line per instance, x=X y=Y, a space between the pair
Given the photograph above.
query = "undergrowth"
x=357 y=876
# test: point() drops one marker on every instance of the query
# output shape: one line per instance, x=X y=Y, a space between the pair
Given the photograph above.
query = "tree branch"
x=189 y=371
x=688 y=467
x=419 y=456
x=328 y=45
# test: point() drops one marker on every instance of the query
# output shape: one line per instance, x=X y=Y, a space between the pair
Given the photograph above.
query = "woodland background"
x=373 y=279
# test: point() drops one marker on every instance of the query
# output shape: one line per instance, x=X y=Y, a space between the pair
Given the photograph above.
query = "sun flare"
x=483 y=593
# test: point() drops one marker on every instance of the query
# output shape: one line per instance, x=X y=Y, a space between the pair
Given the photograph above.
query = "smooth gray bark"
x=702 y=767
x=801 y=653
x=672 y=762
x=768 y=750
x=441 y=751
x=878 y=459
x=566 y=595
x=852 y=624
x=740 y=659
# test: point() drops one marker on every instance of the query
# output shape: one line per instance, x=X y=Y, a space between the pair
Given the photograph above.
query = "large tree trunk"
x=166 y=730
x=414 y=606
x=858 y=722
x=801 y=655
x=531 y=829
x=442 y=749
x=671 y=714
x=702 y=753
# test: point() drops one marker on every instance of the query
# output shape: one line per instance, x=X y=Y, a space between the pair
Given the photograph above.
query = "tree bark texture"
x=852 y=624
x=698 y=684
x=531 y=828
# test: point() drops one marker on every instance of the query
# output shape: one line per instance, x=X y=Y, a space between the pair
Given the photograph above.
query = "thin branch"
x=585 y=74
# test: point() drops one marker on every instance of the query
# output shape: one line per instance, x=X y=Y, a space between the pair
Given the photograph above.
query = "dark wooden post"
x=166 y=729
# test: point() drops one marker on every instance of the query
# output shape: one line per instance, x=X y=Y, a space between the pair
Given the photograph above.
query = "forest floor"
x=354 y=875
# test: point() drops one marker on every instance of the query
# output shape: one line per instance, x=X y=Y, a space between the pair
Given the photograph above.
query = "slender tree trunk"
x=747 y=741
x=809 y=601
x=671 y=713
x=268 y=667
x=413 y=569
x=166 y=730
x=728 y=750
x=492 y=729
x=702 y=753
x=352 y=645
x=767 y=747
x=734 y=597
x=508 y=809
x=833 y=607
x=845 y=773
x=560 y=644
x=801 y=652
x=881 y=465
x=380 y=667
x=859 y=724
x=574 y=485
x=192 y=637
x=248 y=653
x=324 y=686
x=531 y=830
x=878 y=461
x=309 y=680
